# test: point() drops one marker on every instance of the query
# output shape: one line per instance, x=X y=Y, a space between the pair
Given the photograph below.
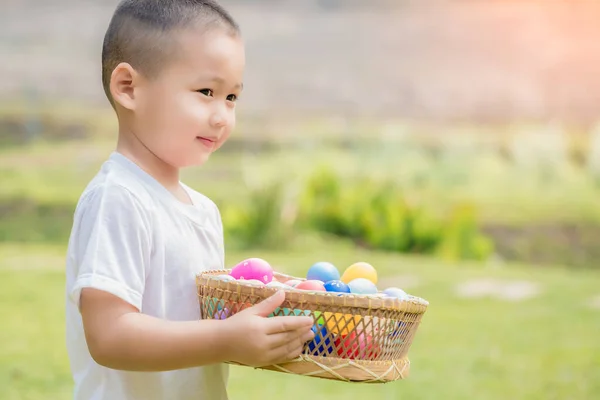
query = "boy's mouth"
x=208 y=142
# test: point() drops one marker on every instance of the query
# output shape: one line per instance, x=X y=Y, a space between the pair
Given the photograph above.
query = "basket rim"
x=413 y=304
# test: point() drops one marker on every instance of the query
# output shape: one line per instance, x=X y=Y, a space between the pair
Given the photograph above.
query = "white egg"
x=277 y=284
x=254 y=282
x=396 y=292
x=224 y=277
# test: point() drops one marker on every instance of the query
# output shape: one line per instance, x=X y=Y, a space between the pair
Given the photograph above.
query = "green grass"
x=541 y=348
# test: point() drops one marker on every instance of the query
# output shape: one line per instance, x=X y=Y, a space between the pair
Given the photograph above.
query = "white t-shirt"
x=134 y=239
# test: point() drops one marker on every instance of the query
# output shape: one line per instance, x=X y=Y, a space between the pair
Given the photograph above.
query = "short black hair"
x=140 y=31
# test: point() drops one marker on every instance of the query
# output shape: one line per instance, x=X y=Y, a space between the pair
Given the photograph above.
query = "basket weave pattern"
x=357 y=338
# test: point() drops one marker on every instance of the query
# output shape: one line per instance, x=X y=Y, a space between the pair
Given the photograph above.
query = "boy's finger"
x=287 y=323
x=268 y=305
x=286 y=353
x=299 y=336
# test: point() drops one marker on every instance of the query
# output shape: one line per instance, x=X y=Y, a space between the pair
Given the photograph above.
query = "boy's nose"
x=218 y=118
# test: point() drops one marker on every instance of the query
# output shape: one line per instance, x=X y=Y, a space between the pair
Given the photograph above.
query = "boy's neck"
x=129 y=146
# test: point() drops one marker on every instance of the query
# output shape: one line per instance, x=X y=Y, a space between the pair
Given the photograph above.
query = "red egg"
x=311 y=285
x=360 y=346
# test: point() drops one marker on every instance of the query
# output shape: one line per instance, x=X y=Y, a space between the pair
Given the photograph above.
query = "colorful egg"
x=336 y=286
x=311 y=285
x=359 y=270
x=224 y=277
x=287 y=312
x=254 y=282
x=319 y=318
x=359 y=346
x=277 y=284
x=362 y=286
x=341 y=324
x=292 y=282
x=222 y=314
x=322 y=344
x=237 y=307
x=213 y=305
x=400 y=331
x=395 y=292
x=296 y=312
x=253 y=268
x=323 y=271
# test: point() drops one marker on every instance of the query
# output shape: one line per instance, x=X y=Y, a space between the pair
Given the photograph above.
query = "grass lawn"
x=544 y=347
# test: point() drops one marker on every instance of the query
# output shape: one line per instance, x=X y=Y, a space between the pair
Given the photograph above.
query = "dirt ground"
x=386 y=59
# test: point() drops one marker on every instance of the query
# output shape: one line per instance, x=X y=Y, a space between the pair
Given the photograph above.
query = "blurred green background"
x=453 y=145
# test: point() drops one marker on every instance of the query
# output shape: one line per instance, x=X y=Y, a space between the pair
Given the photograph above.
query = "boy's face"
x=188 y=110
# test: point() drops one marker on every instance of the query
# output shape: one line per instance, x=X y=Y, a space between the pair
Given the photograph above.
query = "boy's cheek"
x=196 y=114
x=223 y=139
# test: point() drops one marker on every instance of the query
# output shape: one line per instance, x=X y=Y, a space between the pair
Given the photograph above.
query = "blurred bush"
x=16 y=129
x=259 y=222
x=26 y=220
x=373 y=214
x=376 y=214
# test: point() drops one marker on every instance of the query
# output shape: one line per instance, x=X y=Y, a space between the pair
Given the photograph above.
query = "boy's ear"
x=123 y=82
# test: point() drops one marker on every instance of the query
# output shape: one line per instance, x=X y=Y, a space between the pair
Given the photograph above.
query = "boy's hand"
x=258 y=341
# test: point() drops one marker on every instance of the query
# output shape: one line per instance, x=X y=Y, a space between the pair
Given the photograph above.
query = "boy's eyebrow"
x=221 y=81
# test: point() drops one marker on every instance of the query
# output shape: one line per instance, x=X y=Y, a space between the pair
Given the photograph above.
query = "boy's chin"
x=189 y=160
x=198 y=161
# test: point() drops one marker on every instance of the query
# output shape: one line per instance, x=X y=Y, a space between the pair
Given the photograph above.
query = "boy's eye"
x=210 y=93
x=206 y=92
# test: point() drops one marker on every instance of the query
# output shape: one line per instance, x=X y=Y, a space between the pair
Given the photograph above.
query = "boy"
x=172 y=70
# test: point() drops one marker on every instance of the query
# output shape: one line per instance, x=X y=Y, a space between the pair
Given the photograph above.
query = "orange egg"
x=338 y=323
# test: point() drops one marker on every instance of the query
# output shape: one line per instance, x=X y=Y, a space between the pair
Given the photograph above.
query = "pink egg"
x=253 y=268
x=311 y=285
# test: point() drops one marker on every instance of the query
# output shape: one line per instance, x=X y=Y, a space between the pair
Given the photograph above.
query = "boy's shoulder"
x=121 y=183
x=116 y=190
x=113 y=182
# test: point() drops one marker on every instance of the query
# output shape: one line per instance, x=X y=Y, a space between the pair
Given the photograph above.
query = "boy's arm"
x=111 y=253
x=120 y=337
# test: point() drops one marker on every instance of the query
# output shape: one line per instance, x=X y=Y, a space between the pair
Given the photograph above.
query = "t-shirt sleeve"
x=111 y=245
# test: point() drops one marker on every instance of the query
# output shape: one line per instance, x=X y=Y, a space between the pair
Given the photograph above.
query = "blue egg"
x=323 y=271
x=400 y=331
x=321 y=345
x=362 y=286
x=337 y=286
x=214 y=305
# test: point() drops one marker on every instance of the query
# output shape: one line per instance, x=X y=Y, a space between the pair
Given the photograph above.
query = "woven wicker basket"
x=357 y=338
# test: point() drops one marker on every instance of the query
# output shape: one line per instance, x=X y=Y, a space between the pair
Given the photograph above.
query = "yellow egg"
x=359 y=270
x=341 y=324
